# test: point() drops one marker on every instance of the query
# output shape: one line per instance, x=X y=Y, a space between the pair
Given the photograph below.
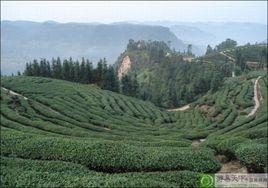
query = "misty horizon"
x=133 y=22
x=141 y=11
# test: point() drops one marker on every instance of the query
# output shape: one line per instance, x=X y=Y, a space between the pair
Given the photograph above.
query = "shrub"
x=106 y=155
x=253 y=156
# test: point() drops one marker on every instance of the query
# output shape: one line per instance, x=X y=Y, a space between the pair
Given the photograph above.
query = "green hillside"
x=249 y=53
x=165 y=78
x=58 y=133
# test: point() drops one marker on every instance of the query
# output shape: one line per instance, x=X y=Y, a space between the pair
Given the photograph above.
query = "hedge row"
x=253 y=156
x=106 y=155
x=250 y=153
x=17 y=172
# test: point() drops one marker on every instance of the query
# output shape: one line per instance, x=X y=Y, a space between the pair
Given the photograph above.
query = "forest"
x=180 y=82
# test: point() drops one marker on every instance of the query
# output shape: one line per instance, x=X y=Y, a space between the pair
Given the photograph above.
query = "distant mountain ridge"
x=24 y=40
x=204 y=33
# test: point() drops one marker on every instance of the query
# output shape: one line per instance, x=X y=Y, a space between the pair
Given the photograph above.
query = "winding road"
x=257 y=94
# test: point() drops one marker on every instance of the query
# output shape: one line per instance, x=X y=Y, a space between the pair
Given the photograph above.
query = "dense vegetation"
x=166 y=79
x=238 y=135
x=180 y=82
x=241 y=56
x=59 y=133
x=82 y=72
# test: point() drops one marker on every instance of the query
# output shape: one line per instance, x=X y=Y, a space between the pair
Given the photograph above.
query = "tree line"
x=83 y=72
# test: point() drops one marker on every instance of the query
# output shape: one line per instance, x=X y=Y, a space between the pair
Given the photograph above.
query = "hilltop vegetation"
x=59 y=133
x=165 y=78
x=170 y=79
x=245 y=57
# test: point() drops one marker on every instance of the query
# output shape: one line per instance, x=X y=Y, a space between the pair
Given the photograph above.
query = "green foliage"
x=209 y=50
x=78 y=135
x=253 y=156
x=107 y=156
x=83 y=72
x=180 y=82
x=21 y=172
x=227 y=44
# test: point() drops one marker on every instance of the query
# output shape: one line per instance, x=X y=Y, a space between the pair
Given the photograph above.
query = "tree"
x=71 y=69
x=28 y=70
x=48 y=69
x=36 y=68
x=189 y=50
x=263 y=58
x=110 y=81
x=89 y=72
x=82 y=74
x=134 y=87
x=131 y=45
x=76 y=71
x=43 y=67
x=225 y=45
x=65 y=70
x=240 y=60
x=126 y=85
x=209 y=50
x=56 y=68
x=216 y=81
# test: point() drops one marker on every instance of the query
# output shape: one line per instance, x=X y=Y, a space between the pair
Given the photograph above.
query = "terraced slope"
x=238 y=135
x=58 y=133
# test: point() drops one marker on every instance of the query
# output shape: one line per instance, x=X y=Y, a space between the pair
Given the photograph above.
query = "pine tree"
x=82 y=74
x=71 y=69
x=36 y=68
x=76 y=71
x=28 y=70
x=65 y=70
x=126 y=85
x=48 y=69
x=53 y=68
x=134 y=86
x=110 y=81
x=209 y=50
x=57 y=68
x=89 y=72
x=98 y=76
x=43 y=67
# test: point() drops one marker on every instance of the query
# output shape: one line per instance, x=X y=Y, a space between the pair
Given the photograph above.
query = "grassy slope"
x=88 y=129
x=237 y=135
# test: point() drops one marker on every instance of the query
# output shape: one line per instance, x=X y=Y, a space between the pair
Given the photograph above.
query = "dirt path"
x=197 y=142
x=230 y=58
x=233 y=166
x=230 y=166
x=180 y=109
x=257 y=95
x=14 y=93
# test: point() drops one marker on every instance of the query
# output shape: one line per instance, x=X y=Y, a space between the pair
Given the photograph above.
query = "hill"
x=23 y=41
x=165 y=77
x=79 y=135
x=254 y=56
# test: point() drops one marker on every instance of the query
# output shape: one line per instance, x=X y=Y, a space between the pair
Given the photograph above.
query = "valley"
x=97 y=136
x=133 y=94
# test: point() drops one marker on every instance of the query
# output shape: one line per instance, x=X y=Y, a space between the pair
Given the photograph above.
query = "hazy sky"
x=108 y=11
